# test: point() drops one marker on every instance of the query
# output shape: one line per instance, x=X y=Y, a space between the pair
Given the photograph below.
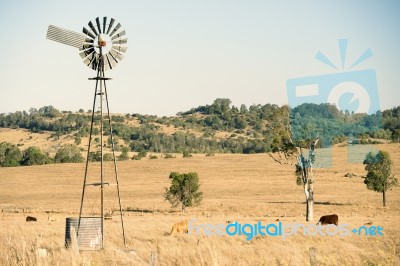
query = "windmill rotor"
x=100 y=39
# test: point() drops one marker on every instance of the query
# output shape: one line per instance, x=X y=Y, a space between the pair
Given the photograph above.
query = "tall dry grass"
x=244 y=188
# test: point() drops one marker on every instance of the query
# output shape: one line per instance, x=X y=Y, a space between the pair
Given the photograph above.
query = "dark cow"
x=329 y=219
x=31 y=219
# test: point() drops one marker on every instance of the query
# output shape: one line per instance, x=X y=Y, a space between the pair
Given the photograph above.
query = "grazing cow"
x=181 y=227
x=31 y=219
x=329 y=219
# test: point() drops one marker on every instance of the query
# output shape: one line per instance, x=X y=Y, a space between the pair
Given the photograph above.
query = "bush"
x=168 y=156
x=186 y=154
x=10 y=155
x=34 y=156
x=78 y=140
x=124 y=155
x=140 y=155
x=94 y=156
x=108 y=157
x=69 y=153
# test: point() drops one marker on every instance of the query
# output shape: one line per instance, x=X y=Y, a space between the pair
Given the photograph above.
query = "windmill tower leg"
x=101 y=91
x=115 y=164
x=88 y=153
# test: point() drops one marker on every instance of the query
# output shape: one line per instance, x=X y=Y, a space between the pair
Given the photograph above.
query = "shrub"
x=34 y=156
x=69 y=153
x=186 y=154
x=10 y=155
x=168 y=156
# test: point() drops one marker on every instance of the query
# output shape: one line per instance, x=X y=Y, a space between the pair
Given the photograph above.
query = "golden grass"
x=245 y=188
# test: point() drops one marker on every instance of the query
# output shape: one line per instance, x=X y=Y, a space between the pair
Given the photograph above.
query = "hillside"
x=216 y=128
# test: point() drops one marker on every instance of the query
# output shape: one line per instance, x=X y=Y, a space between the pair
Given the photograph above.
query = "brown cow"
x=181 y=227
x=31 y=219
x=329 y=219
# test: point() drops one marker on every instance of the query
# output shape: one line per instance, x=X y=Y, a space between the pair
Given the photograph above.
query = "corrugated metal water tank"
x=89 y=232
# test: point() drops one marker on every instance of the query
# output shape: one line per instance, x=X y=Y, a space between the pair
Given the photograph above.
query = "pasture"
x=243 y=188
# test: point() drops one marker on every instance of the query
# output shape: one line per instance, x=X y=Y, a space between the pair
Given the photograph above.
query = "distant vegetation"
x=216 y=128
x=11 y=155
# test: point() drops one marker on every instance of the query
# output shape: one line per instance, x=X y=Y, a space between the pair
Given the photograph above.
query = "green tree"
x=34 y=156
x=379 y=177
x=184 y=189
x=10 y=155
x=69 y=153
x=124 y=154
x=49 y=111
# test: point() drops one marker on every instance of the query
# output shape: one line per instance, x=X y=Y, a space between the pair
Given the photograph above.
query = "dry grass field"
x=243 y=188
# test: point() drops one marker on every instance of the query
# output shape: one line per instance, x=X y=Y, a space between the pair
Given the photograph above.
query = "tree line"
x=11 y=155
x=254 y=129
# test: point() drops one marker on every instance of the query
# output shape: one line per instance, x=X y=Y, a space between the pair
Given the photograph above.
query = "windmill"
x=101 y=46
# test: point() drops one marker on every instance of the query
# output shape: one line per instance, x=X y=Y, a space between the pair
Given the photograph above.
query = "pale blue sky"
x=187 y=53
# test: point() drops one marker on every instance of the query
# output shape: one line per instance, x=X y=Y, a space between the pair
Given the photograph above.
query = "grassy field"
x=243 y=188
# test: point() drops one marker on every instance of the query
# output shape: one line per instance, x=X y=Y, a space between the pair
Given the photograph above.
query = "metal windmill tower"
x=101 y=47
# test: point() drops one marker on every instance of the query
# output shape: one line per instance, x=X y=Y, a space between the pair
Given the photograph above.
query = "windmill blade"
x=98 y=24
x=121 y=49
x=89 y=40
x=110 y=26
x=87 y=32
x=84 y=55
x=64 y=36
x=115 y=29
x=92 y=61
x=94 y=64
x=112 y=61
x=85 y=46
x=117 y=55
x=104 y=24
x=109 y=63
x=113 y=54
x=87 y=60
x=86 y=52
x=120 y=41
x=106 y=63
x=92 y=27
x=122 y=33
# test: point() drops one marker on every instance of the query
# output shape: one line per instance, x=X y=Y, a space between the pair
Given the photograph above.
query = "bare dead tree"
x=303 y=167
x=305 y=176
